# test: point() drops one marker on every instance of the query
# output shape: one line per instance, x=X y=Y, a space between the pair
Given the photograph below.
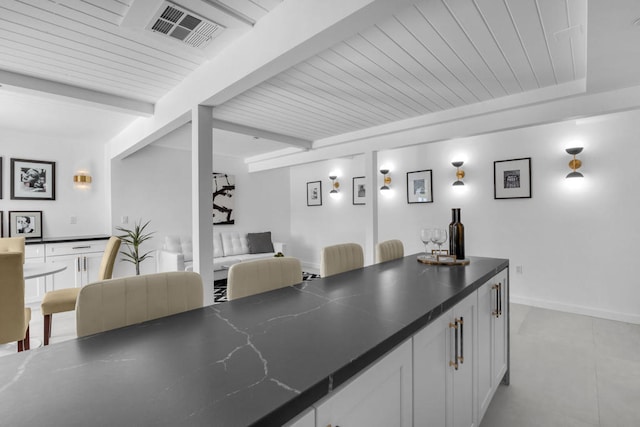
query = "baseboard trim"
x=576 y=309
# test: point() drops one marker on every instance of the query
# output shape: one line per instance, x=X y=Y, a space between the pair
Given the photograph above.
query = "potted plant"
x=132 y=239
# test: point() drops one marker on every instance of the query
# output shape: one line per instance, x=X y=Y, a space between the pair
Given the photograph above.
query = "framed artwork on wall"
x=359 y=190
x=314 y=193
x=224 y=189
x=27 y=224
x=512 y=179
x=420 y=187
x=33 y=180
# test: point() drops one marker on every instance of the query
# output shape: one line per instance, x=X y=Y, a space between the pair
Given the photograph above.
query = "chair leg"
x=27 y=343
x=47 y=328
x=20 y=346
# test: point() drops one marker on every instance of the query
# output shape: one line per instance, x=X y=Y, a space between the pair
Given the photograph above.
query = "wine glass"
x=439 y=236
x=425 y=236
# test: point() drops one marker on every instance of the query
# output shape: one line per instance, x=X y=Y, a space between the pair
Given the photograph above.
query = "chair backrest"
x=340 y=258
x=12 y=244
x=388 y=250
x=262 y=275
x=12 y=318
x=109 y=258
x=111 y=304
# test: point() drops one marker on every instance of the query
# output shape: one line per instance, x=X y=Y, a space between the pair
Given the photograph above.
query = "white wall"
x=88 y=205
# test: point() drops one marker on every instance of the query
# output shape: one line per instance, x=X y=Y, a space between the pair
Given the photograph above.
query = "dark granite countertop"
x=259 y=360
x=65 y=239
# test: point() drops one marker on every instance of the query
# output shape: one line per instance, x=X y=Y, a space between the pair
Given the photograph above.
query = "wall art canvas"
x=224 y=189
x=33 y=180
x=359 y=190
x=314 y=193
x=27 y=224
x=512 y=179
x=419 y=187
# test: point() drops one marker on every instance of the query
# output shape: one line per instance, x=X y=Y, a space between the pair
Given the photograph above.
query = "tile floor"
x=566 y=370
x=569 y=370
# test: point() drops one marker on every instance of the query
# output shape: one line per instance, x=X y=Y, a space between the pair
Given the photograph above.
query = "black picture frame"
x=512 y=179
x=33 y=180
x=359 y=190
x=314 y=193
x=420 y=186
x=27 y=224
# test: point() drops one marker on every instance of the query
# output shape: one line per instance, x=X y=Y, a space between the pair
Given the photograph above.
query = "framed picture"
x=314 y=193
x=512 y=179
x=33 y=180
x=27 y=224
x=419 y=187
x=359 y=190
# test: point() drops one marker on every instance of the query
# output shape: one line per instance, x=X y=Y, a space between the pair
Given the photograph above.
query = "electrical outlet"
x=519 y=269
x=124 y=220
x=73 y=220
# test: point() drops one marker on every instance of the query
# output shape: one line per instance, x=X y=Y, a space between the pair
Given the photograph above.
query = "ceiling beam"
x=247 y=130
x=49 y=88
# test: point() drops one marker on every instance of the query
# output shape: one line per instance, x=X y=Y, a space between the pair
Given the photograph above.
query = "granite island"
x=260 y=360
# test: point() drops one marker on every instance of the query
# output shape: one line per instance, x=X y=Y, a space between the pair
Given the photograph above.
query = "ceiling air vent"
x=180 y=24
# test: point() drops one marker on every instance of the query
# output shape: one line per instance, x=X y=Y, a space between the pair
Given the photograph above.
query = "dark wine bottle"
x=456 y=235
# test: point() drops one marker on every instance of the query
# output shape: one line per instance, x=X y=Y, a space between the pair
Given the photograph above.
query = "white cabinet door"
x=34 y=289
x=444 y=393
x=68 y=278
x=492 y=338
x=82 y=260
x=380 y=396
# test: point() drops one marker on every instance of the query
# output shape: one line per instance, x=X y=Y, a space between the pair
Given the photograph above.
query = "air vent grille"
x=185 y=26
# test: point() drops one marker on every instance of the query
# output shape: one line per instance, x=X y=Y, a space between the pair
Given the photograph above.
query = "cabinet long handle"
x=78 y=265
x=461 y=323
x=496 y=312
x=81 y=247
x=454 y=362
x=84 y=263
x=500 y=298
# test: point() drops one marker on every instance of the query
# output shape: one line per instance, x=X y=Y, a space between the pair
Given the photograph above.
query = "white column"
x=371 y=220
x=201 y=196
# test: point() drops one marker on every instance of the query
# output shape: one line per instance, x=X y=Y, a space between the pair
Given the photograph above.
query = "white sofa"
x=229 y=247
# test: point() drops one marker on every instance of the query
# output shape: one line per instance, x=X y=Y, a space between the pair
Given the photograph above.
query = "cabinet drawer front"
x=71 y=248
x=34 y=251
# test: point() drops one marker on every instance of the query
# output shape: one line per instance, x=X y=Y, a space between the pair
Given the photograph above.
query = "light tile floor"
x=569 y=370
x=566 y=370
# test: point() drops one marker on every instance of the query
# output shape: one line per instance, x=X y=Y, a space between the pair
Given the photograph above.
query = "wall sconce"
x=459 y=173
x=82 y=179
x=334 y=186
x=575 y=163
x=386 y=179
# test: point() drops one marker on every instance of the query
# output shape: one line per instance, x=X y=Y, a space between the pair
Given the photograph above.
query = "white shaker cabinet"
x=444 y=369
x=34 y=289
x=492 y=338
x=82 y=260
x=381 y=396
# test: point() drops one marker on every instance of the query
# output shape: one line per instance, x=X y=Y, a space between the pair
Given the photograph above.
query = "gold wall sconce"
x=459 y=173
x=82 y=179
x=386 y=180
x=334 y=186
x=574 y=164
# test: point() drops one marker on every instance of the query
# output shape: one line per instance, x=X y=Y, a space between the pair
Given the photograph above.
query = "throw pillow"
x=260 y=242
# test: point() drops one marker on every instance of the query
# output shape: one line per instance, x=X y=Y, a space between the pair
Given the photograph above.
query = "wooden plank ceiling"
x=433 y=56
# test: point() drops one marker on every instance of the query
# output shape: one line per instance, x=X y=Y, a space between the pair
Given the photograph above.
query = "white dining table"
x=33 y=270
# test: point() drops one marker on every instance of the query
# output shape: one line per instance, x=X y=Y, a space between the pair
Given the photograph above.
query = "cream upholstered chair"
x=62 y=300
x=12 y=244
x=14 y=316
x=388 y=250
x=125 y=301
x=340 y=258
x=262 y=275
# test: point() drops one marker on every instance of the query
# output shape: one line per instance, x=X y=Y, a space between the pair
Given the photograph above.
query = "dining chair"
x=340 y=258
x=12 y=244
x=14 y=316
x=115 y=303
x=262 y=275
x=389 y=250
x=62 y=300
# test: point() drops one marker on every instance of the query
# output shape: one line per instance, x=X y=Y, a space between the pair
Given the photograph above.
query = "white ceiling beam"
x=569 y=108
x=291 y=33
x=248 y=130
x=51 y=89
